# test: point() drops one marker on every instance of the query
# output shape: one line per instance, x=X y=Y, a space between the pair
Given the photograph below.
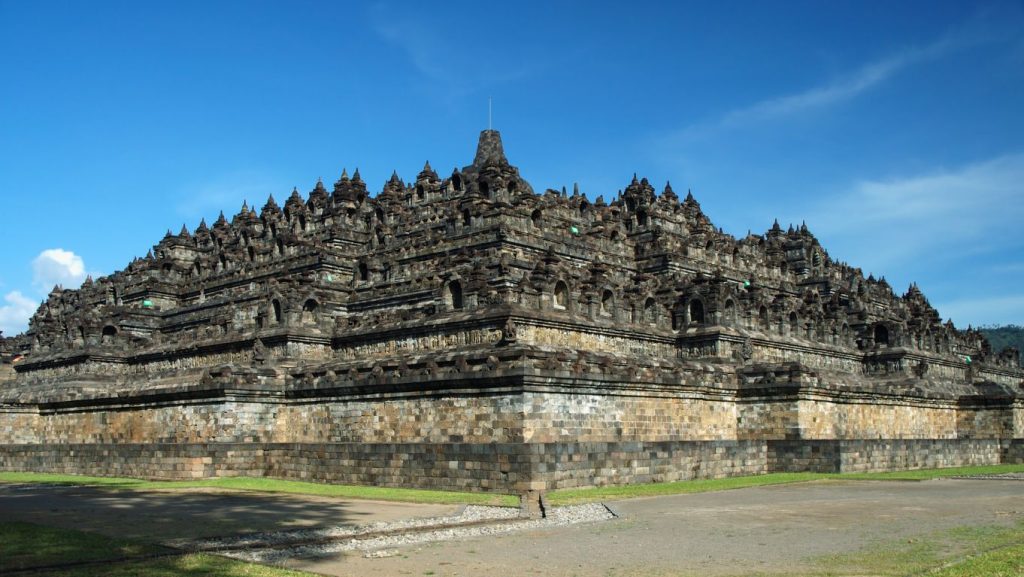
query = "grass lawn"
x=1007 y=562
x=996 y=551
x=591 y=494
x=266 y=485
x=990 y=551
x=199 y=565
x=559 y=497
x=24 y=545
x=993 y=551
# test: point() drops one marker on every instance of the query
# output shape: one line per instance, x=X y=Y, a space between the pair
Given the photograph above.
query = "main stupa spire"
x=489 y=150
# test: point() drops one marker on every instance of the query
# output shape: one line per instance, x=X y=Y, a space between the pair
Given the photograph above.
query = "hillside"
x=1004 y=336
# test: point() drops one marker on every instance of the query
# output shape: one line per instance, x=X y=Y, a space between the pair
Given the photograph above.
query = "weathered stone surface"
x=465 y=332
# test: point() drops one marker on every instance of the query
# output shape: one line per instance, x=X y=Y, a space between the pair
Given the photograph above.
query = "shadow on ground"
x=159 y=515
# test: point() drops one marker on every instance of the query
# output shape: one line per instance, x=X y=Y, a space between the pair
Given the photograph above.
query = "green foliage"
x=1001 y=337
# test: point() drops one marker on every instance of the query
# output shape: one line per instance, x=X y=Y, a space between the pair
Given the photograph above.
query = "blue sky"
x=895 y=130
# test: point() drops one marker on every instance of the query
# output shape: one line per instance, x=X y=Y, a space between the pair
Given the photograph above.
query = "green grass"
x=271 y=486
x=591 y=494
x=199 y=565
x=24 y=545
x=559 y=497
x=963 y=551
x=926 y=474
x=1007 y=562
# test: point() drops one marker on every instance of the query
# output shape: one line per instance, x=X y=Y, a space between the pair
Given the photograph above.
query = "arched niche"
x=607 y=303
x=108 y=335
x=695 y=311
x=275 y=309
x=561 y=296
x=310 y=311
x=650 y=311
x=881 y=335
x=453 y=295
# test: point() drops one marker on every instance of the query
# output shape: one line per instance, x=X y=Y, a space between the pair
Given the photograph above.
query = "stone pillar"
x=531 y=505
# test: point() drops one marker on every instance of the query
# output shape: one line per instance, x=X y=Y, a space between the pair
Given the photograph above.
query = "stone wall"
x=503 y=467
x=869 y=455
x=19 y=425
x=1018 y=420
x=878 y=418
x=586 y=464
x=994 y=421
x=438 y=418
x=497 y=467
x=626 y=415
x=210 y=422
x=531 y=429
x=768 y=419
x=596 y=340
x=1013 y=451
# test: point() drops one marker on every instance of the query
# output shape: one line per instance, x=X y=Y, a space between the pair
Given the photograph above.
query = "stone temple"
x=467 y=333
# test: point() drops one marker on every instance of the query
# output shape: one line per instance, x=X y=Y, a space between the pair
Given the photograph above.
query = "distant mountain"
x=1004 y=336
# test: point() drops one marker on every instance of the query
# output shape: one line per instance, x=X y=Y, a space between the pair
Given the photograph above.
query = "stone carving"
x=921 y=369
x=747 y=349
x=259 y=353
x=508 y=332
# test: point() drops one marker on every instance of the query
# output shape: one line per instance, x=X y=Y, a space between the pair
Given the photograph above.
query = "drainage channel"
x=383 y=540
x=354 y=536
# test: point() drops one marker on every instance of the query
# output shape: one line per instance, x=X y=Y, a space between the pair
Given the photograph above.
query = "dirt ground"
x=777 y=529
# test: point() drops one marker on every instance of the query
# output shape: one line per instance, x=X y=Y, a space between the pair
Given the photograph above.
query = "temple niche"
x=436 y=333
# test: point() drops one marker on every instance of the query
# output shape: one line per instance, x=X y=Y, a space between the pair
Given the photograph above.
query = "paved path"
x=163 y=515
x=776 y=529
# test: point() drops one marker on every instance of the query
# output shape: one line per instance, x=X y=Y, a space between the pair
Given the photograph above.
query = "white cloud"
x=844 y=88
x=56 y=266
x=841 y=89
x=884 y=224
x=15 y=314
x=982 y=29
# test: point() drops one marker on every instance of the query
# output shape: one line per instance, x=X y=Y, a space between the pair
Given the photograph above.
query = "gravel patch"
x=995 y=477
x=380 y=540
x=469 y=514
